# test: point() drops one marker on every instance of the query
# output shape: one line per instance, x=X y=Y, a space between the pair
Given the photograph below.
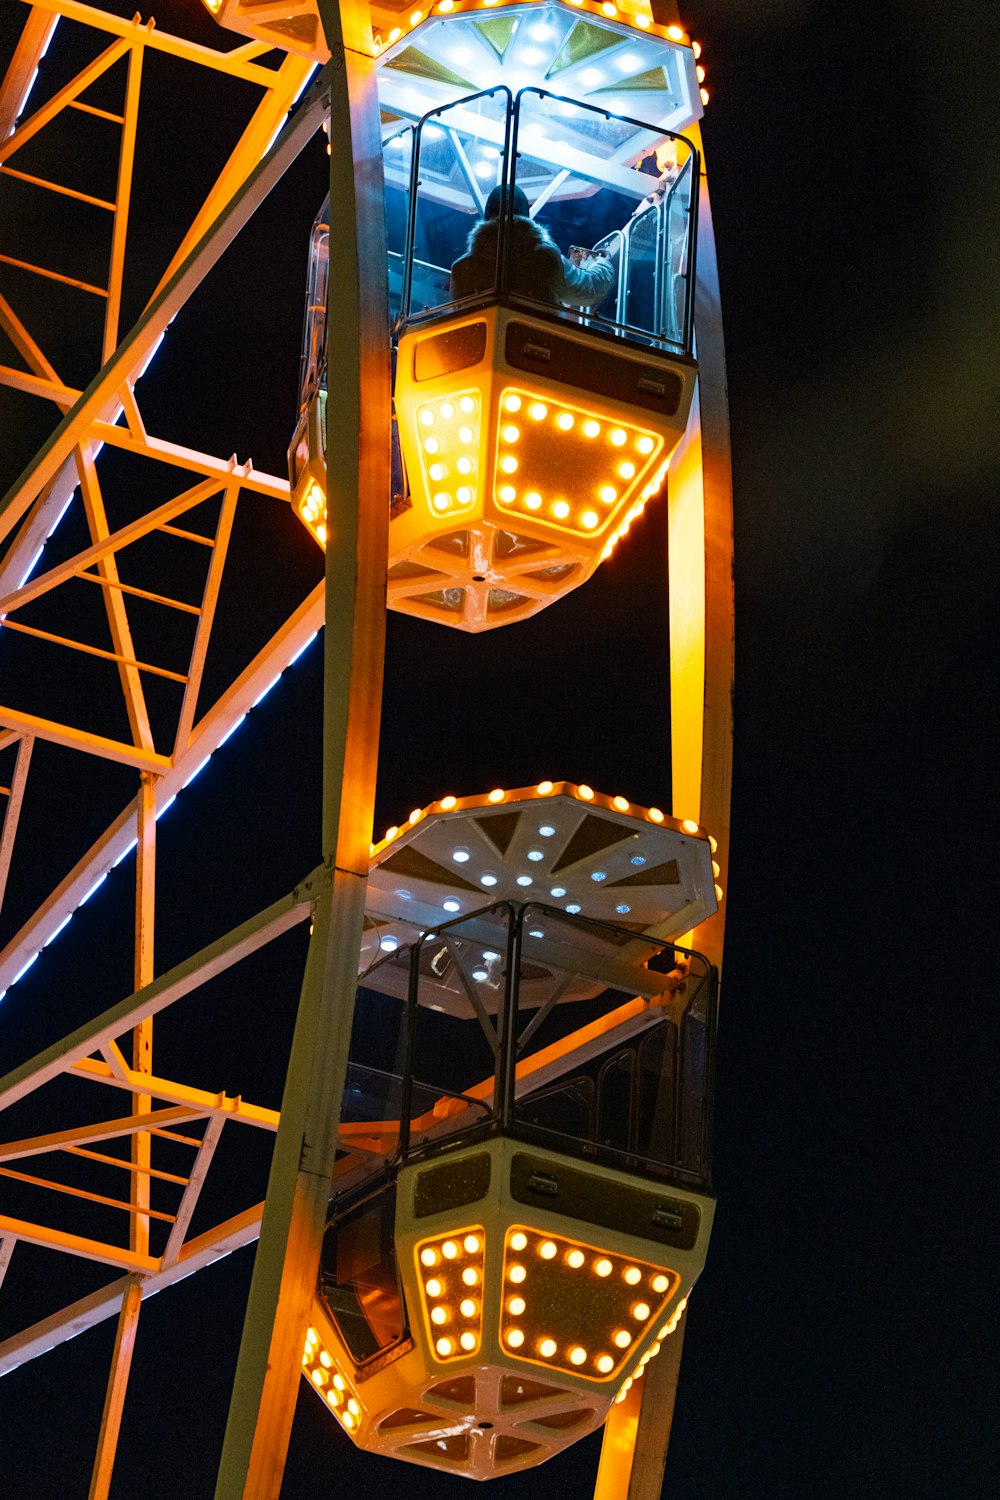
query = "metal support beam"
x=265 y=1388
x=114 y=1399
x=15 y=797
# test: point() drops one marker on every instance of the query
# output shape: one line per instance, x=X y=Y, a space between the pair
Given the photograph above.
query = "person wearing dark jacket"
x=535 y=265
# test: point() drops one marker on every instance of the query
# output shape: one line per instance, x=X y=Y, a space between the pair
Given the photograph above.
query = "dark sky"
x=838 y=1344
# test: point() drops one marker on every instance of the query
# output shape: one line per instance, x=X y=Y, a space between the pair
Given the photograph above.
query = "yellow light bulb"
x=467 y=1340
x=431 y=445
x=437 y=471
x=607 y=494
x=319 y=1377
x=441 y=501
x=434 y=1288
x=560 y=510
x=516 y=1306
x=564 y=420
x=543 y=789
x=517 y=1274
x=515 y=1338
x=675 y=33
x=447 y=803
x=312 y=1337
x=428 y=1257
x=334 y=1398
x=605 y=1363
x=464 y=465
x=689 y=825
x=510 y=433
x=508 y=464
x=347 y=1419
x=623 y=1339
x=467 y=403
x=704 y=95
x=512 y=403
x=538 y=411
x=470 y=1276
x=338 y=1381
x=587 y=793
x=643 y=22
x=577 y=1356
x=591 y=428
x=655 y=816
x=438 y=1315
x=645 y=444
x=321 y=533
x=449 y=1250
x=575 y=1258
x=603 y=1267
x=660 y=1283
x=463 y=494
x=547 y=1348
x=472 y=1244
x=468 y=1308
x=640 y=1312
x=325 y=1359
x=418 y=16
x=633 y=1275
x=497 y=794
x=447 y=410
x=444 y=1347
x=533 y=500
x=589 y=520
x=618 y=437
x=547 y=1250
x=627 y=469
x=465 y=434
x=507 y=493
x=700 y=73
x=427 y=417
x=620 y=804
x=519 y=1240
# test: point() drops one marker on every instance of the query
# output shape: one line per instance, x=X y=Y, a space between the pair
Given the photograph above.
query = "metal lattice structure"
x=104 y=655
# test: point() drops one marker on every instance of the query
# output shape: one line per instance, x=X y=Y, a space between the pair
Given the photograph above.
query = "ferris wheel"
x=489 y=1194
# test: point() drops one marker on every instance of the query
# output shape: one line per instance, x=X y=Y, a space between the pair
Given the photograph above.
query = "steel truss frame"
x=107 y=415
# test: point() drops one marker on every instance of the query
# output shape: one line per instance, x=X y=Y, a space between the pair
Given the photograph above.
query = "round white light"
x=488 y=879
x=535 y=854
x=573 y=907
x=460 y=856
x=388 y=944
x=558 y=891
x=524 y=880
x=452 y=905
x=481 y=975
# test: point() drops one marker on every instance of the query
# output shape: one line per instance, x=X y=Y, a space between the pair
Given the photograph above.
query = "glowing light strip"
x=113 y=864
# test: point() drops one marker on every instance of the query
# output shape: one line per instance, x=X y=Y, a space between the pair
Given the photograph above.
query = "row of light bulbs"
x=640 y=22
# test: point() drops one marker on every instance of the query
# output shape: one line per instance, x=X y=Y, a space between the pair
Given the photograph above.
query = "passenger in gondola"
x=535 y=265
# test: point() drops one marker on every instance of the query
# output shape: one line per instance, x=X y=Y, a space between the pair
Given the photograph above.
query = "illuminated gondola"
x=533 y=425
x=522 y=1198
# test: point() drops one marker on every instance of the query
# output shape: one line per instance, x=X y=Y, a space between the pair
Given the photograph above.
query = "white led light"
x=480 y=975
x=573 y=907
x=599 y=875
x=388 y=944
x=535 y=854
x=558 y=891
x=452 y=905
x=546 y=831
x=524 y=880
x=488 y=878
x=623 y=908
x=637 y=859
x=460 y=856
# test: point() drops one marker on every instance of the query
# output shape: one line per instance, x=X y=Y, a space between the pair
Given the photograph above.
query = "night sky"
x=838 y=1344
